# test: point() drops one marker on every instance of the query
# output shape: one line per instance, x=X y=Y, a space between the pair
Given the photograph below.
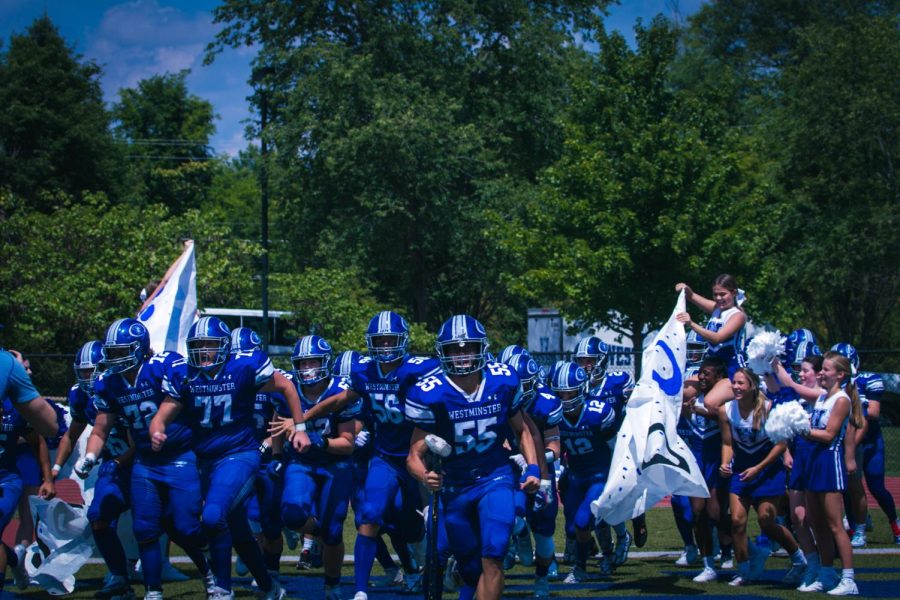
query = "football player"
x=165 y=486
x=111 y=491
x=219 y=393
x=382 y=385
x=475 y=405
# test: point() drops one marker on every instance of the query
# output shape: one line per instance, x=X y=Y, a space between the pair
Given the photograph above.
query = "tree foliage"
x=54 y=128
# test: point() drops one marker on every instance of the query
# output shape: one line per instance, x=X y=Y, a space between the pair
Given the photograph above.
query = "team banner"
x=650 y=461
x=173 y=309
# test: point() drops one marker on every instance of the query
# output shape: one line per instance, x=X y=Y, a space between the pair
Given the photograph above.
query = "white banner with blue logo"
x=650 y=461
x=174 y=308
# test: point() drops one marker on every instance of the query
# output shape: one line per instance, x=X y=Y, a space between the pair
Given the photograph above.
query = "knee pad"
x=213 y=518
x=543 y=546
x=145 y=532
x=294 y=516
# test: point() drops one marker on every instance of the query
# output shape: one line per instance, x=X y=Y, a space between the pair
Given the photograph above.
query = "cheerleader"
x=826 y=473
x=753 y=463
x=795 y=458
x=724 y=332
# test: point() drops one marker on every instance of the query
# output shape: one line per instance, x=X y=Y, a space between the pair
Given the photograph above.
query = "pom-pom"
x=786 y=420
x=763 y=349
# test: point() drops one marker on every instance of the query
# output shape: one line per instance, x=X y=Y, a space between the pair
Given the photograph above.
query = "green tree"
x=54 y=128
x=166 y=131
x=399 y=129
x=642 y=196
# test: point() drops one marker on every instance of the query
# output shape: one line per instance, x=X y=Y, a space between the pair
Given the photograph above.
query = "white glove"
x=84 y=465
x=519 y=460
x=549 y=456
x=542 y=497
x=362 y=439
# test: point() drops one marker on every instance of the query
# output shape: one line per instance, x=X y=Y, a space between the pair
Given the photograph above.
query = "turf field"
x=645 y=575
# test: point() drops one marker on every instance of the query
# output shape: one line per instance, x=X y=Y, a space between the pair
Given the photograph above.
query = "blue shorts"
x=826 y=471
x=479 y=515
x=166 y=492
x=770 y=482
x=708 y=455
x=111 y=493
x=227 y=483
x=387 y=476
x=10 y=492
x=580 y=492
x=28 y=466
x=320 y=491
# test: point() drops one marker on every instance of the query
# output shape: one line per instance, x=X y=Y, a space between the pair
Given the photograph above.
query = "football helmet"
x=126 y=345
x=89 y=358
x=549 y=375
x=850 y=352
x=462 y=332
x=799 y=344
x=387 y=324
x=696 y=348
x=244 y=339
x=570 y=377
x=208 y=343
x=312 y=347
x=344 y=363
x=528 y=371
x=512 y=350
x=591 y=354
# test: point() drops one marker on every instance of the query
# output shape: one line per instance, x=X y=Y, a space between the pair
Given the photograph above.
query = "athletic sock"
x=383 y=555
x=107 y=540
x=797 y=557
x=272 y=560
x=151 y=564
x=364 y=553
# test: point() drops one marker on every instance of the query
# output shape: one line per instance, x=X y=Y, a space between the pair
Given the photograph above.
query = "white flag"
x=173 y=310
x=650 y=461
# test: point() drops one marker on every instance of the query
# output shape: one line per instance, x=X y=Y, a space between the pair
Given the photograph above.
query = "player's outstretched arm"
x=39 y=447
x=279 y=384
x=331 y=404
x=40 y=415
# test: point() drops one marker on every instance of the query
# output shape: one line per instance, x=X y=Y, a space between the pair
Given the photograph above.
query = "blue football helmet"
x=87 y=365
x=462 y=331
x=568 y=378
x=208 y=343
x=591 y=354
x=512 y=350
x=126 y=345
x=312 y=347
x=799 y=344
x=528 y=371
x=344 y=363
x=549 y=375
x=696 y=348
x=387 y=324
x=845 y=349
x=244 y=339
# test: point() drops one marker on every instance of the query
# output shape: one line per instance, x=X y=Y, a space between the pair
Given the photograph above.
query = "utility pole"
x=264 y=217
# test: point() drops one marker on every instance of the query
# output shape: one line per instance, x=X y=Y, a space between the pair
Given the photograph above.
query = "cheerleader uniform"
x=730 y=350
x=826 y=471
x=751 y=446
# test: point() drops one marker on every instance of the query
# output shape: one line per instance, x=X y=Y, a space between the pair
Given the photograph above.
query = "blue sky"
x=135 y=39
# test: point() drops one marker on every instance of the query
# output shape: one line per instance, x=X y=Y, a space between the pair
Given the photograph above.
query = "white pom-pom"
x=763 y=349
x=787 y=420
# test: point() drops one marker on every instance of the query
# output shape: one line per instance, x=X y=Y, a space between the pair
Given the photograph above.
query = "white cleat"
x=845 y=587
x=706 y=575
x=153 y=596
x=576 y=576
x=221 y=594
x=688 y=557
x=361 y=596
x=276 y=593
x=20 y=575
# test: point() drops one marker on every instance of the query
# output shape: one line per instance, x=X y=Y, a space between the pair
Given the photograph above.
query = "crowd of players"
x=223 y=452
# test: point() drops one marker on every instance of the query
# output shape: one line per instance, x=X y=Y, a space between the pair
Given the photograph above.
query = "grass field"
x=878 y=575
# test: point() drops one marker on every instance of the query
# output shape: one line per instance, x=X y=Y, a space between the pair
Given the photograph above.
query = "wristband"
x=56 y=468
x=90 y=457
x=532 y=471
x=301 y=427
x=549 y=456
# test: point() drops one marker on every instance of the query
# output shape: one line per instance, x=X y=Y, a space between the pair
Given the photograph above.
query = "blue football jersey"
x=82 y=410
x=615 y=389
x=135 y=405
x=475 y=425
x=383 y=397
x=870 y=386
x=326 y=426
x=222 y=406
x=545 y=409
x=584 y=440
x=266 y=406
x=12 y=427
